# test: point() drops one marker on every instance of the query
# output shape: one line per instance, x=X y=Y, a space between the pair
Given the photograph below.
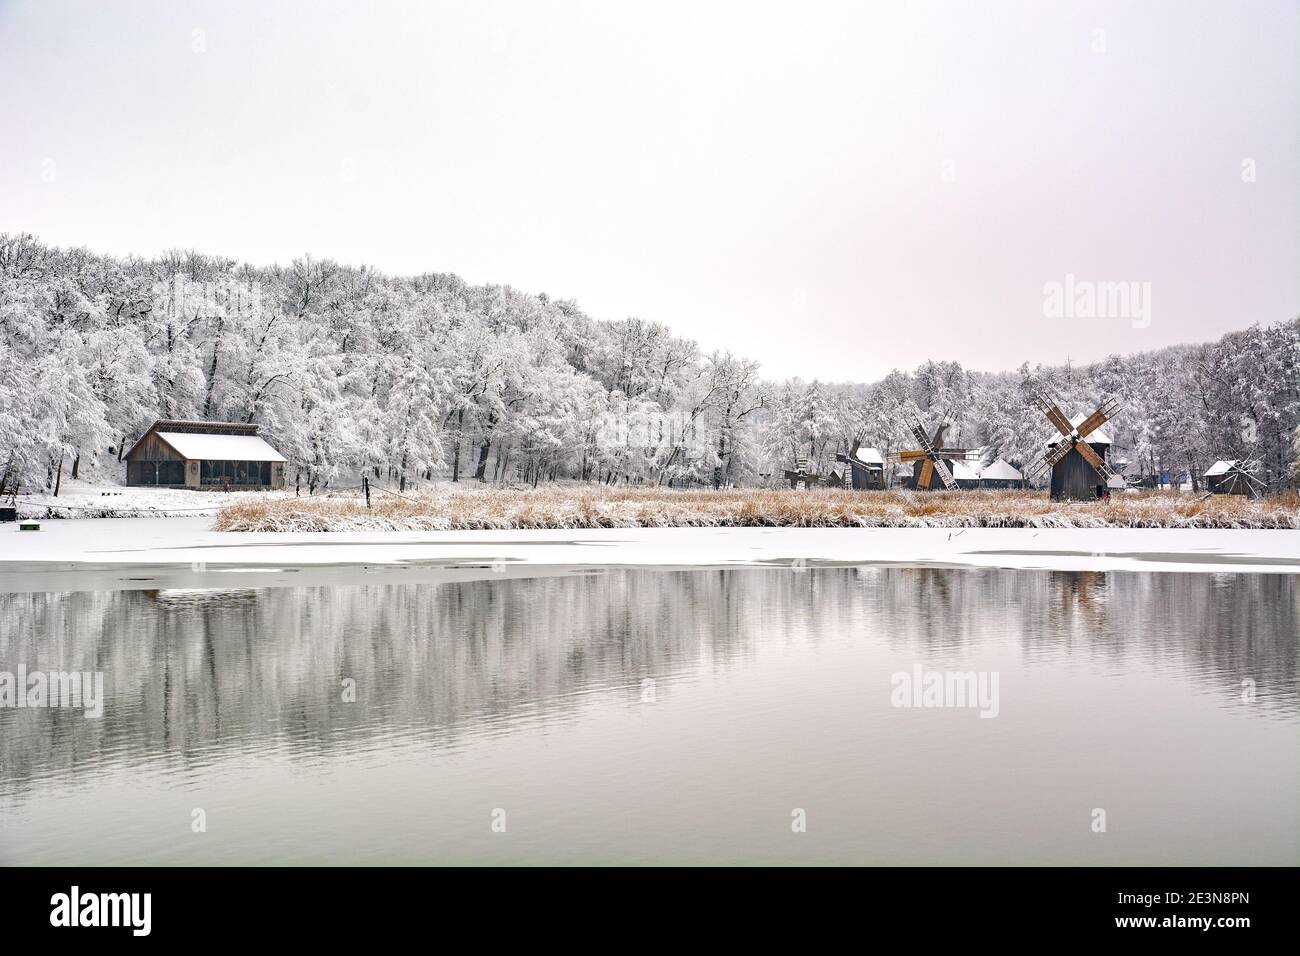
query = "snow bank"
x=145 y=545
x=80 y=499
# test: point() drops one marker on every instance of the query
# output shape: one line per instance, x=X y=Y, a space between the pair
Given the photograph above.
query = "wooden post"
x=365 y=483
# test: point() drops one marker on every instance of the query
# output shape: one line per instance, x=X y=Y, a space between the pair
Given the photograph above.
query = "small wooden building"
x=1073 y=478
x=213 y=455
x=1000 y=473
x=965 y=473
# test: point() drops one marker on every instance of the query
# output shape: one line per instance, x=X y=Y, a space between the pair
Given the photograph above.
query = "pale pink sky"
x=835 y=189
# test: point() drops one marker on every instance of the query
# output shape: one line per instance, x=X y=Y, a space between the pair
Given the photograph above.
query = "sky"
x=834 y=189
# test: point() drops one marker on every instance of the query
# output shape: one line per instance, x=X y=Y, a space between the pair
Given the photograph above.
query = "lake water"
x=658 y=716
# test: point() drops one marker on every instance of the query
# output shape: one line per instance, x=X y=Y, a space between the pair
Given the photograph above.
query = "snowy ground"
x=129 y=545
x=82 y=499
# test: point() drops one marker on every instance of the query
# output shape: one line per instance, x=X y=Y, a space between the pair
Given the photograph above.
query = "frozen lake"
x=652 y=714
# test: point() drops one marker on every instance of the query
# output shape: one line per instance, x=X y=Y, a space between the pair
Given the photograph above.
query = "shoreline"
x=188 y=548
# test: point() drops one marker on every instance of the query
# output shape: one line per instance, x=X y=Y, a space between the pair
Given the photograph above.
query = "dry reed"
x=582 y=507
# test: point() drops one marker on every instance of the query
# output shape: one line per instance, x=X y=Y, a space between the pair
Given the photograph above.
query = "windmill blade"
x=906 y=456
x=919 y=434
x=959 y=454
x=1054 y=414
x=1104 y=413
x=927 y=472
x=1091 y=457
x=945 y=474
x=1057 y=452
x=1035 y=469
x=944 y=425
x=1246 y=470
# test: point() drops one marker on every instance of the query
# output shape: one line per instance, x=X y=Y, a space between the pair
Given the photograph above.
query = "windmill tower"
x=1077 y=454
x=864 y=468
x=931 y=456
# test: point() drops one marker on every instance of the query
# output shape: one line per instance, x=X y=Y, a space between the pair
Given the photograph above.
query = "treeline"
x=429 y=378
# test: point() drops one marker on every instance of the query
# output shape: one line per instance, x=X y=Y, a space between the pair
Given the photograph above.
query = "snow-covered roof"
x=1219 y=468
x=1095 y=437
x=966 y=470
x=1000 y=470
x=870 y=456
x=1117 y=482
x=221 y=447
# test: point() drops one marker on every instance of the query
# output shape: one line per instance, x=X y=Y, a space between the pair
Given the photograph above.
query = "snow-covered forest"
x=428 y=378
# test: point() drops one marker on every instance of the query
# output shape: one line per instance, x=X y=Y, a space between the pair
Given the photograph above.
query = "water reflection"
x=193 y=671
x=197 y=678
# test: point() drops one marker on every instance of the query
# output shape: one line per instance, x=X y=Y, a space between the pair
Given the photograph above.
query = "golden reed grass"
x=582 y=506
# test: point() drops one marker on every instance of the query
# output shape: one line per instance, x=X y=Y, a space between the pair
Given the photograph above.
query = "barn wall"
x=153 y=448
x=865 y=480
x=1227 y=485
x=1073 y=478
x=144 y=471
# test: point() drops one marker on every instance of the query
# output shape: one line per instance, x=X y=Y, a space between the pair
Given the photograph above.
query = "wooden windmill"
x=1077 y=455
x=864 y=469
x=1238 y=477
x=931 y=456
x=801 y=478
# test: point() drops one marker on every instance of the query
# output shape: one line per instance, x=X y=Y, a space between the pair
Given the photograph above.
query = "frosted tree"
x=428 y=377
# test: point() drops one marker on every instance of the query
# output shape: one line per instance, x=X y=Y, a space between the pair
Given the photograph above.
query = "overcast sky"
x=835 y=189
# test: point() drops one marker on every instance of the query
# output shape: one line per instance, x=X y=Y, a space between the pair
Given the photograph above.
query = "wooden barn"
x=211 y=455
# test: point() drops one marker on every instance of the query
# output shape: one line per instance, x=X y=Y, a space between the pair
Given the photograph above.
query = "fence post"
x=365 y=483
